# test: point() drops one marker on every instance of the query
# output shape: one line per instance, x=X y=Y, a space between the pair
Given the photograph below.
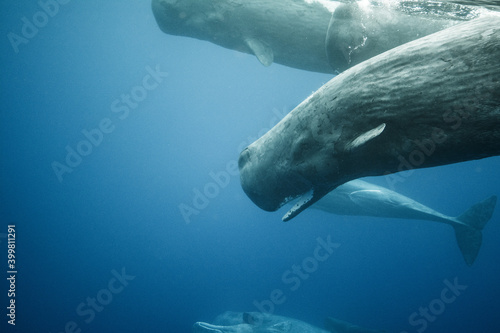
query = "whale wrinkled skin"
x=303 y=33
x=360 y=198
x=430 y=102
x=358 y=31
x=260 y=27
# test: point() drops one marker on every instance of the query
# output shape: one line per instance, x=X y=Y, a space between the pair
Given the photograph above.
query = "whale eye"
x=248 y=318
x=244 y=158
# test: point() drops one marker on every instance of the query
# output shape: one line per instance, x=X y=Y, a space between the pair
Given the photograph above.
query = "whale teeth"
x=299 y=206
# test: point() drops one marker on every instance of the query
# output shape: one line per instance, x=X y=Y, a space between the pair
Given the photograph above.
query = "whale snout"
x=269 y=181
x=244 y=158
x=256 y=181
x=181 y=18
x=170 y=19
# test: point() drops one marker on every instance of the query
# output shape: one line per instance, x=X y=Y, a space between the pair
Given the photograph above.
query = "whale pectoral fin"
x=263 y=52
x=365 y=137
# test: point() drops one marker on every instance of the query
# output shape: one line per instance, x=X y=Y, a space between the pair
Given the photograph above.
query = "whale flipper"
x=469 y=235
x=365 y=137
x=263 y=52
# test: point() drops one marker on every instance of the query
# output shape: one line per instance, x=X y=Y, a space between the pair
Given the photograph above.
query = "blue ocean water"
x=102 y=245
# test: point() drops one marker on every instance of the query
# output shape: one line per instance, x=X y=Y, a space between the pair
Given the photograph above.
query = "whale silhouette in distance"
x=254 y=322
x=258 y=322
x=360 y=198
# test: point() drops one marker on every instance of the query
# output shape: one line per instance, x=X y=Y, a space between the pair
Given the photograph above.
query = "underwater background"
x=110 y=227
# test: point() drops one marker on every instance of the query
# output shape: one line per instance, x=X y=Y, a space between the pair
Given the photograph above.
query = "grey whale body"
x=304 y=34
x=258 y=322
x=259 y=27
x=430 y=102
x=360 y=198
x=254 y=322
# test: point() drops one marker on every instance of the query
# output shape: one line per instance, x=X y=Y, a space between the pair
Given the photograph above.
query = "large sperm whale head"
x=198 y=19
x=304 y=156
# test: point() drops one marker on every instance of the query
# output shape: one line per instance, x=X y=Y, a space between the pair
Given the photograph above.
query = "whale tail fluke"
x=469 y=235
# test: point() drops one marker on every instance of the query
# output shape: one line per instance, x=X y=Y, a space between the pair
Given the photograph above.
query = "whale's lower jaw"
x=300 y=205
x=304 y=202
x=200 y=327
